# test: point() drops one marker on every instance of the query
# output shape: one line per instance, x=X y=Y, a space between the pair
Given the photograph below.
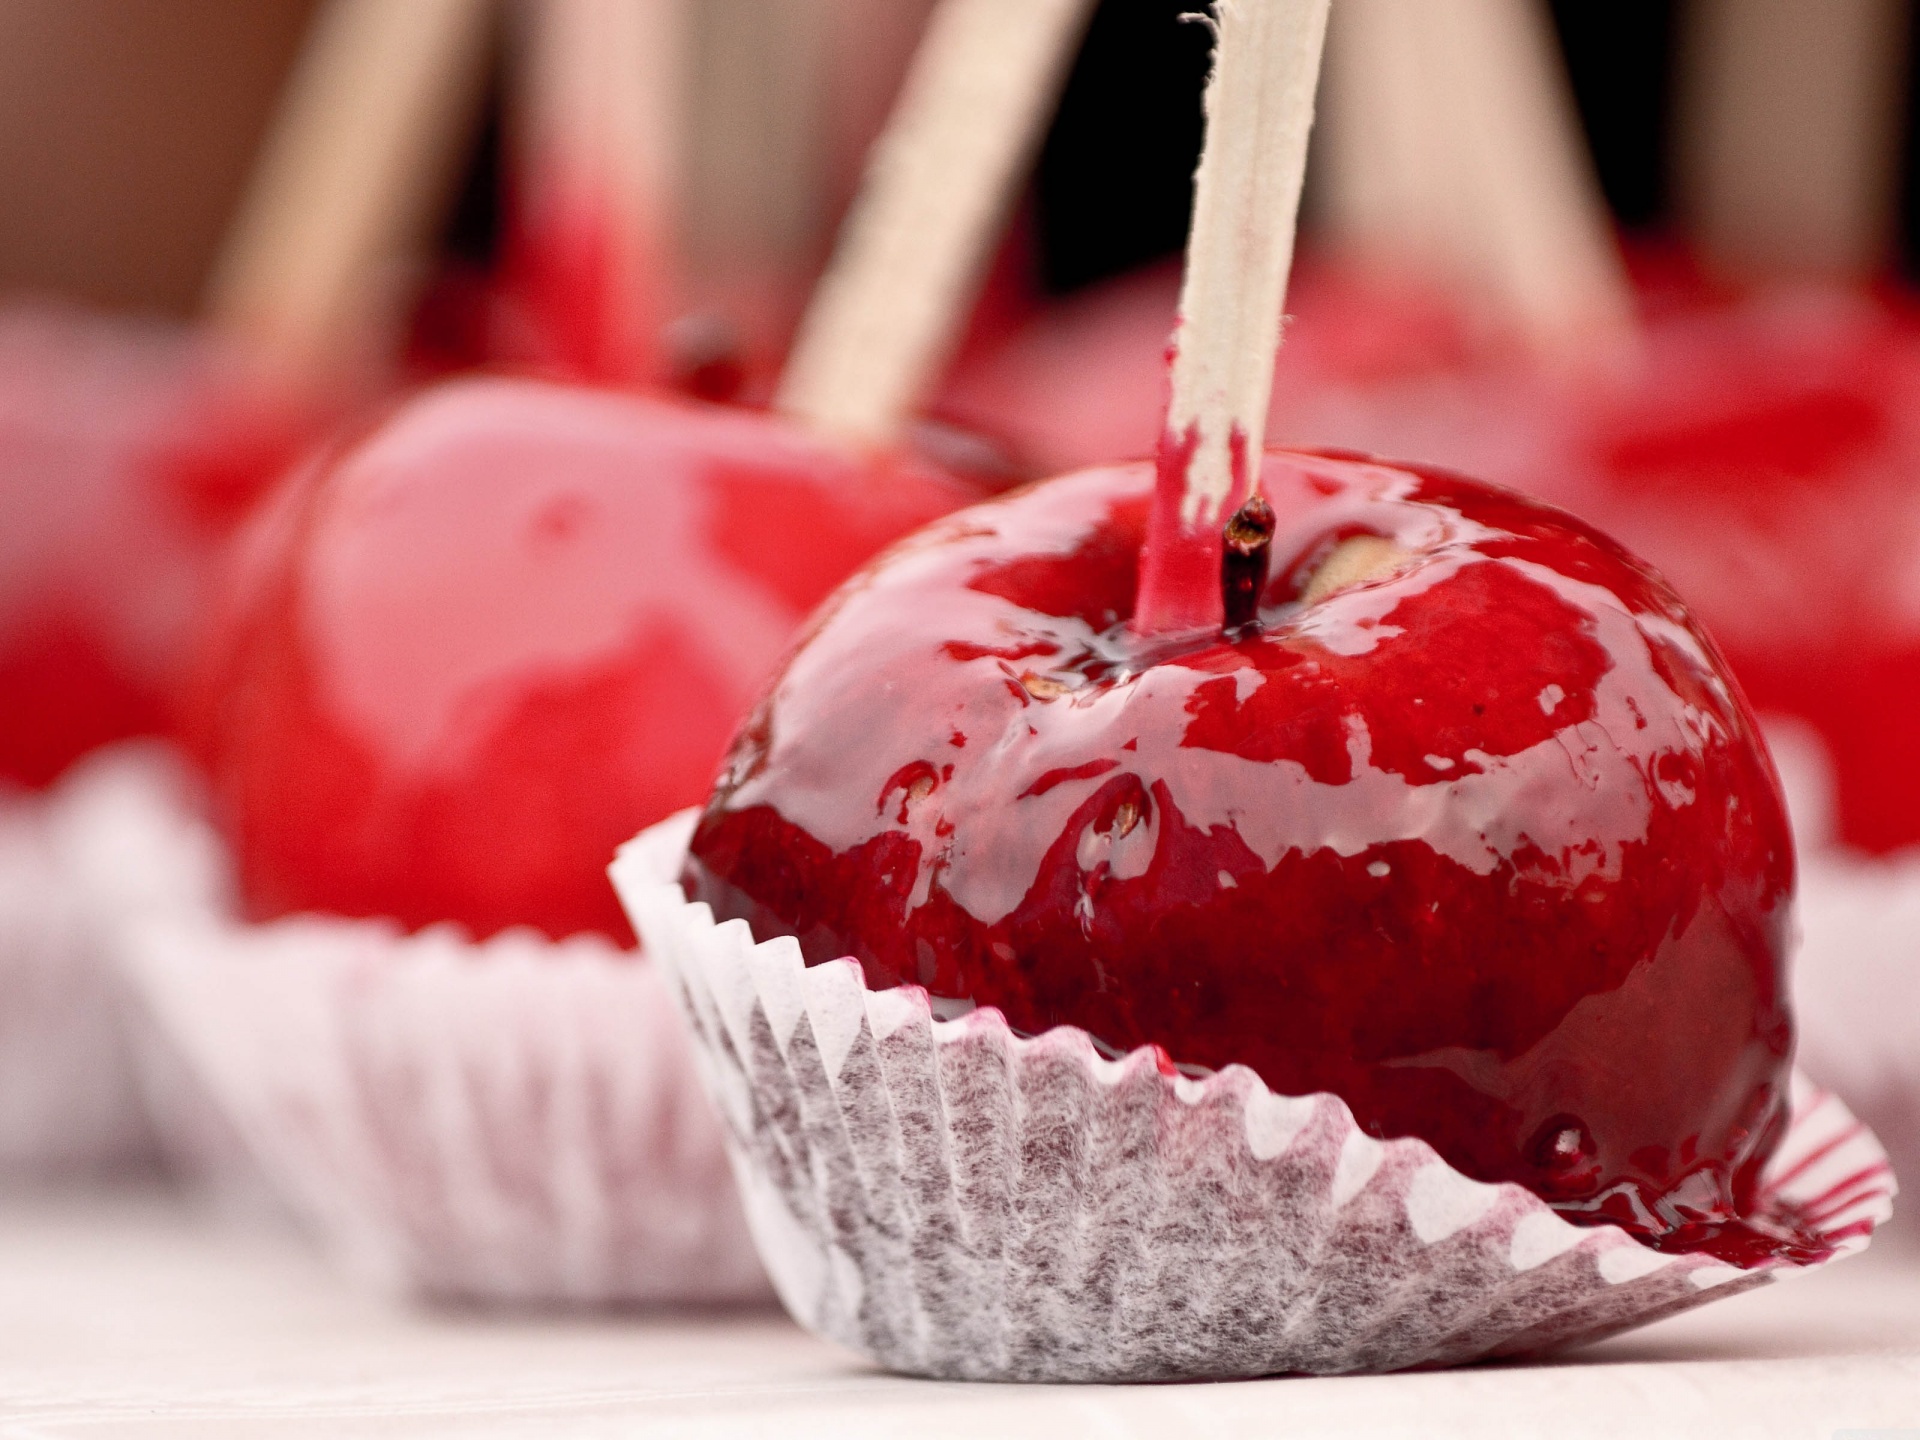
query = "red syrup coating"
x=1764 y=458
x=578 y=296
x=510 y=626
x=1760 y=452
x=128 y=454
x=1487 y=846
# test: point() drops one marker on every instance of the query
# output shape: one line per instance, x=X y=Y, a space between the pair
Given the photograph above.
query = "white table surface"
x=131 y=1313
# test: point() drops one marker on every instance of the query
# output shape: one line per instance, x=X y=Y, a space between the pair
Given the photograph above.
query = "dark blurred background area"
x=1115 y=177
x=127 y=126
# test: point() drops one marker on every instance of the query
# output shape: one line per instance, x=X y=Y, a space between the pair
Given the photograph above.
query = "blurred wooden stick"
x=1788 y=132
x=597 y=174
x=357 y=166
x=938 y=188
x=1381 y=150
x=756 y=143
x=1454 y=145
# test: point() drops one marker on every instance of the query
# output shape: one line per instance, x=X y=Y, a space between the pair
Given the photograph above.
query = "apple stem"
x=1259 y=105
x=595 y=177
x=1243 y=561
x=938 y=185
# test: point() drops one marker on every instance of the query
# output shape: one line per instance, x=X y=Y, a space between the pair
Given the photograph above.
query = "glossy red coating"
x=1488 y=846
x=580 y=290
x=509 y=627
x=1761 y=452
x=128 y=454
x=1765 y=459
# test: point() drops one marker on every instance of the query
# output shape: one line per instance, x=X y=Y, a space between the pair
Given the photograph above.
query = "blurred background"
x=127 y=128
x=1653 y=260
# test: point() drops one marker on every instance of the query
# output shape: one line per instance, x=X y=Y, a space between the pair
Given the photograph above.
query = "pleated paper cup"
x=1857 y=988
x=952 y=1199
x=1856 y=975
x=76 y=865
x=512 y=1121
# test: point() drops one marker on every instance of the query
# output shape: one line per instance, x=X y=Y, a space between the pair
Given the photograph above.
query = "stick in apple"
x=756 y=154
x=1788 y=154
x=596 y=177
x=358 y=161
x=1455 y=146
x=1246 y=199
x=937 y=190
x=1379 y=163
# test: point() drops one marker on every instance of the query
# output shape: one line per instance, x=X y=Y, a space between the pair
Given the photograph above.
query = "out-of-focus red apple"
x=509 y=626
x=128 y=453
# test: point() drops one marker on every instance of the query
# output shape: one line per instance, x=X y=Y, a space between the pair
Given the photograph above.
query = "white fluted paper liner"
x=1857 y=988
x=951 y=1199
x=1856 y=975
x=511 y=1121
x=76 y=864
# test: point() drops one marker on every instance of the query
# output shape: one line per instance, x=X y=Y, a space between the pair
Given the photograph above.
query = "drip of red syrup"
x=1180 y=560
x=1486 y=845
x=586 y=297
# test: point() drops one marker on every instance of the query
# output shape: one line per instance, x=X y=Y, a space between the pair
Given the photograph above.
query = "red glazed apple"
x=1460 y=818
x=1761 y=454
x=128 y=454
x=1764 y=458
x=509 y=626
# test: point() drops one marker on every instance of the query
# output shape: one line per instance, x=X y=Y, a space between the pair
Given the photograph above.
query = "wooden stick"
x=941 y=180
x=359 y=161
x=1543 y=234
x=1788 y=132
x=757 y=152
x=1456 y=148
x=1246 y=199
x=1382 y=155
x=596 y=176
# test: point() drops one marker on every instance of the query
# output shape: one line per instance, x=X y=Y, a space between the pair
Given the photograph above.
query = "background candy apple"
x=508 y=627
x=128 y=454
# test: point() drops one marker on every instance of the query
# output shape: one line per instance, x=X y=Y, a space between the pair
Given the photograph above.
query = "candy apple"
x=1763 y=457
x=1759 y=451
x=128 y=453
x=1459 y=818
x=507 y=627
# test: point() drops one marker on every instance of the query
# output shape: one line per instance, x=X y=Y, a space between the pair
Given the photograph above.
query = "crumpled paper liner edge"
x=383 y=1083
x=739 y=995
x=72 y=1099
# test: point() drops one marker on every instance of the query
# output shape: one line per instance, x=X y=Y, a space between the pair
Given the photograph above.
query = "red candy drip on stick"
x=1246 y=198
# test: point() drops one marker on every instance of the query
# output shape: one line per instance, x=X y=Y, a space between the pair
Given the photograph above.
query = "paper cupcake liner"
x=1857 y=988
x=954 y=1200
x=1856 y=976
x=76 y=865
x=512 y=1121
